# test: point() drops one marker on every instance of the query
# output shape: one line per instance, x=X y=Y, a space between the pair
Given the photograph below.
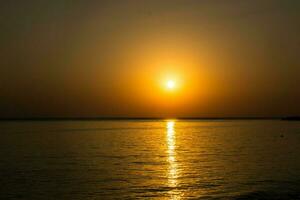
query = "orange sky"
x=113 y=58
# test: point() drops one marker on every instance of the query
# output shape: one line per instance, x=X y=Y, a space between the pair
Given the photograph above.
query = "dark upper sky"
x=108 y=58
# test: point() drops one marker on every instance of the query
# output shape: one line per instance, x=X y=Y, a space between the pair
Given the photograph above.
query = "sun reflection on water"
x=171 y=151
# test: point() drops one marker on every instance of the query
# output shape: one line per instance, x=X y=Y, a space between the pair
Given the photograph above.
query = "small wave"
x=267 y=195
x=103 y=129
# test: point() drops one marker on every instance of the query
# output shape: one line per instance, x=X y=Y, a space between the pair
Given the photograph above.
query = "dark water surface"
x=150 y=159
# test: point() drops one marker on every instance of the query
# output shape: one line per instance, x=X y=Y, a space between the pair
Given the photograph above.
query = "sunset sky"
x=115 y=58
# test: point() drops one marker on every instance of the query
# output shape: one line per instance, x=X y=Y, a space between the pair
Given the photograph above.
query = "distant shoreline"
x=144 y=118
x=292 y=118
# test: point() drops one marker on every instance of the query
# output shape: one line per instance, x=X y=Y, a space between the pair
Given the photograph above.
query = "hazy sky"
x=110 y=58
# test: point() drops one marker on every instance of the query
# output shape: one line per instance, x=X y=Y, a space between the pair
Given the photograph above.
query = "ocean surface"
x=158 y=159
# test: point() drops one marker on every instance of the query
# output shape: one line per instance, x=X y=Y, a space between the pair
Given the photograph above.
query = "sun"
x=171 y=84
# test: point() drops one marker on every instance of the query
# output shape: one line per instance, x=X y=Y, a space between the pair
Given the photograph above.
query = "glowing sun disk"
x=171 y=84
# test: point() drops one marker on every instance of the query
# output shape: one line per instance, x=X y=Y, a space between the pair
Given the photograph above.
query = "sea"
x=150 y=159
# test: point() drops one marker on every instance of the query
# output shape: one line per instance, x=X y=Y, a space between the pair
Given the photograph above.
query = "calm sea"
x=169 y=159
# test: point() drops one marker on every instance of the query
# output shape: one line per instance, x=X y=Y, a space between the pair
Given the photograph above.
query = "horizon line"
x=140 y=118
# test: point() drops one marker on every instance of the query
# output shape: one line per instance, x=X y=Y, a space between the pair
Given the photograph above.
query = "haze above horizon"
x=156 y=59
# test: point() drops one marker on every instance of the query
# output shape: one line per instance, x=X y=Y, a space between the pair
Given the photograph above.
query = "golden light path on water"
x=171 y=151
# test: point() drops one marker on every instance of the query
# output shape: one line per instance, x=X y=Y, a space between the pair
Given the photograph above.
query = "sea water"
x=150 y=159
